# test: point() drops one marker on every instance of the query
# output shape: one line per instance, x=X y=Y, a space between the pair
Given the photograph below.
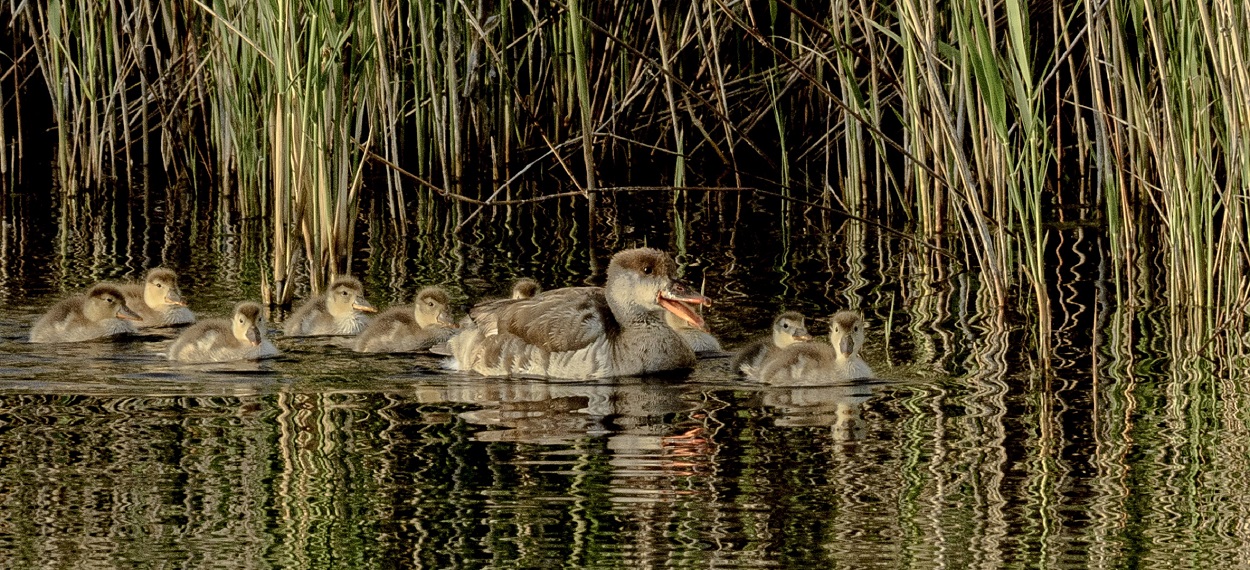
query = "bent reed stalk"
x=976 y=127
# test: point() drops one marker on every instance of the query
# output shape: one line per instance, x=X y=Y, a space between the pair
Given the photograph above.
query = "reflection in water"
x=1133 y=453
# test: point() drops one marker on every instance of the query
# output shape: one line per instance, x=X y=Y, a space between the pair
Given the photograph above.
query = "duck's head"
x=430 y=308
x=248 y=323
x=524 y=288
x=160 y=288
x=789 y=328
x=345 y=296
x=107 y=302
x=846 y=332
x=646 y=279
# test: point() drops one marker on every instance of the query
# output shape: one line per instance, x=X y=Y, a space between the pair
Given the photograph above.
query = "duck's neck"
x=630 y=315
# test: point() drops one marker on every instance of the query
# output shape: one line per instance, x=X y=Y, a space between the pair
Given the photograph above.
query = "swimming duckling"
x=819 y=363
x=101 y=312
x=788 y=328
x=524 y=288
x=339 y=311
x=158 y=300
x=242 y=337
x=409 y=329
x=585 y=332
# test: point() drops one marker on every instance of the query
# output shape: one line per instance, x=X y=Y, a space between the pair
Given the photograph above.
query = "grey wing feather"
x=300 y=321
x=559 y=320
x=750 y=355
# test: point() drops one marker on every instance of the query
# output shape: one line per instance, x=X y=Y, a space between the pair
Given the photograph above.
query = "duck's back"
x=214 y=341
x=397 y=330
x=314 y=319
x=801 y=363
x=748 y=359
x=66 y=322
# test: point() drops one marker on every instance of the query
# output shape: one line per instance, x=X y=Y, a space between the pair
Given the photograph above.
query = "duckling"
x=788 y=328
x=585 y=332
x=339 y=311
x=158 y=300
x=410 y=329
x=220 y=340
x=101 y=312
x=818 y=363
x=524 y=288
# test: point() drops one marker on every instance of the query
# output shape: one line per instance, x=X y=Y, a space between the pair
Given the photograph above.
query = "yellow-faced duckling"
x=409 y=329
x=820 y=363
x=339 y=311
x=100 y=313
x=242 y=337
x=157 y=300
x=788 y=328
x=585 y=332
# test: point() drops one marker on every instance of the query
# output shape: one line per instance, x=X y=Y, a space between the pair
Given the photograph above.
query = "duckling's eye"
x=343 y=293
x=647 y=270
x=785 y=326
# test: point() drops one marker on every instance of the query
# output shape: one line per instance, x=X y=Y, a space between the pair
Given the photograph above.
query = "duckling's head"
x=345 y=296
x=524 y=288
x=846 y=332
x=107 y=302
x=430 y=308
x=645 y=280
x=160 y=288
x=789 y=328
x=248 y=323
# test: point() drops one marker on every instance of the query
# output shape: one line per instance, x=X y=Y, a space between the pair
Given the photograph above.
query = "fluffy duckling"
x=220 y=340
x=101 y=312
x=585 y=332
x=409 y=329
x=339 y=311
x=524 y=288
x=819 y=363
x=788 y=328
x=158 y=300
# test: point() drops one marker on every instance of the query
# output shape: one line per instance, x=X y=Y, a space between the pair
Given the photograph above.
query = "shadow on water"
x=961 y=456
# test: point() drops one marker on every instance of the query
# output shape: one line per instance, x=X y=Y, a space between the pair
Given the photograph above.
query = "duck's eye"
x=647 y=270
x=343 y=293
x=785 y=326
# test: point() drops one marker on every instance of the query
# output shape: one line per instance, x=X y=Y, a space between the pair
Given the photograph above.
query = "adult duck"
x=788 y=328
x=242 y=337
x=339 y=311
x=585 y=332
x=819 y=363
x=101 y=312
x=409 y=329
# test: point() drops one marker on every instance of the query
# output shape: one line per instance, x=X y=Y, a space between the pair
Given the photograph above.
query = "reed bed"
x=977 y=128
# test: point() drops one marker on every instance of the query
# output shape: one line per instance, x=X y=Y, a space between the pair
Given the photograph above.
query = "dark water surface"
x=960 y=456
